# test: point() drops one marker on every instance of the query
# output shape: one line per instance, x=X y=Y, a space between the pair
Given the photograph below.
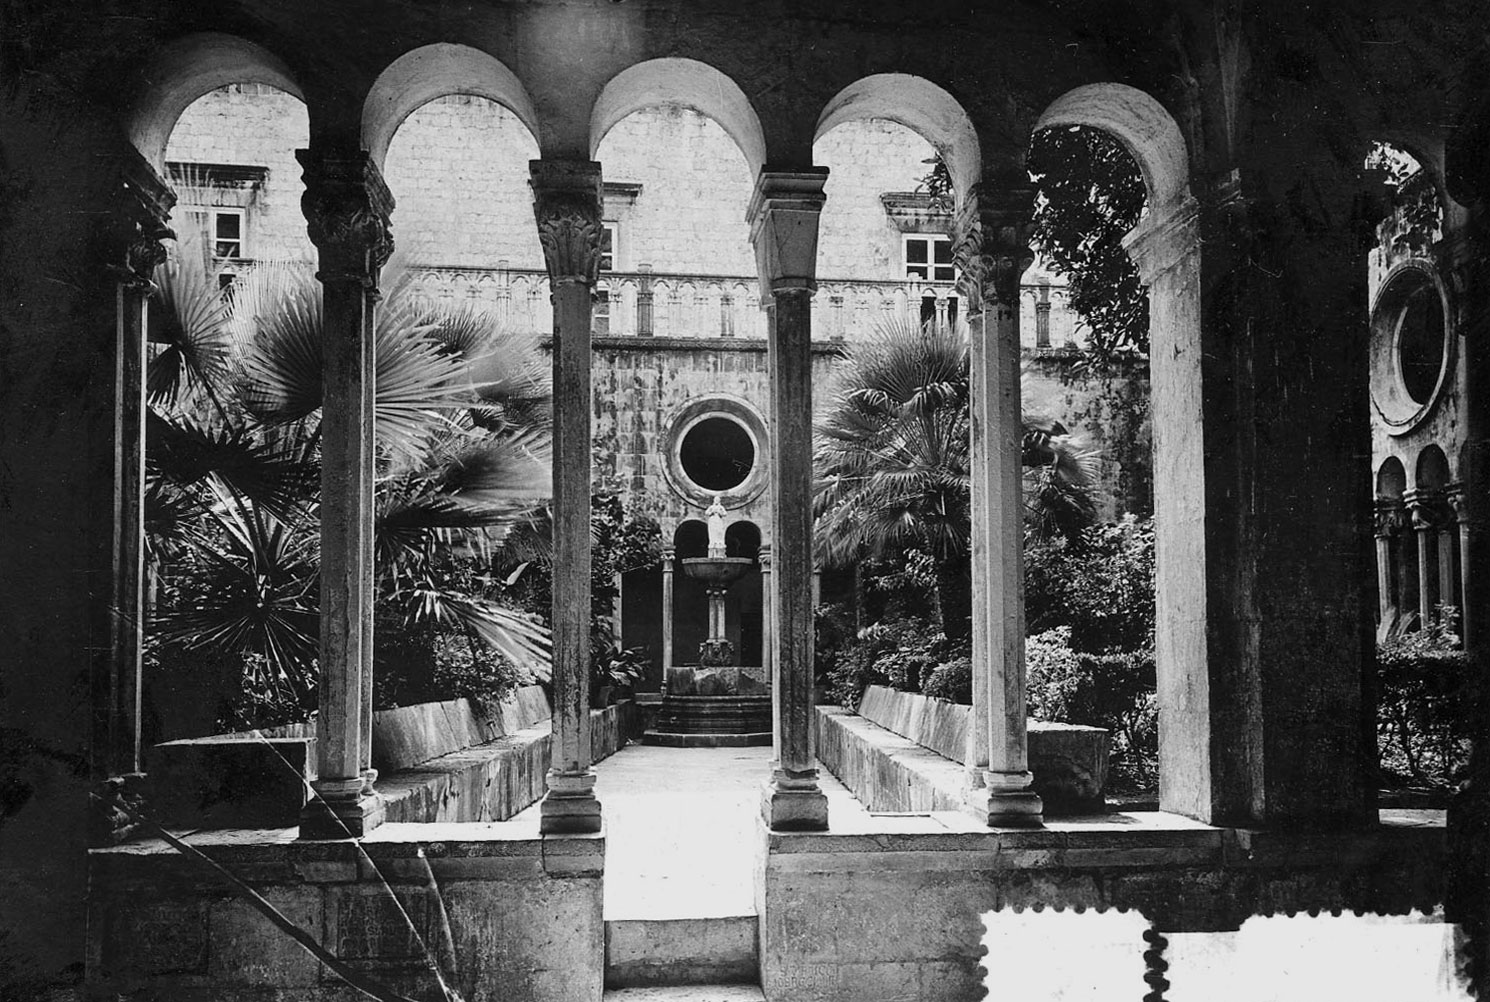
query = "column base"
x=1005 y=808
x=793 y=802
x=326 y=817
x=570 y=807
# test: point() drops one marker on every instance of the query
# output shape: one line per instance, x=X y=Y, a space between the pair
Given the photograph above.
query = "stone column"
x=768 y=608
x=617 y=583
x=667 y=613
x=1447 y=545
x=1388 y=524
x=1460 y=507
x=1422 y=505
x=566 y=202
x=346 y=206
x=131 y=244
x=992 y=252
x=783 y=215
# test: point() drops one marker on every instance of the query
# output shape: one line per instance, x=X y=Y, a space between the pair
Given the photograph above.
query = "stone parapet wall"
x=510 y=915
x=893 y=908
x=905 y=748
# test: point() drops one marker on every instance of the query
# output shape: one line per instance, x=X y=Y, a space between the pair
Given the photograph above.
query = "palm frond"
x=189 y=328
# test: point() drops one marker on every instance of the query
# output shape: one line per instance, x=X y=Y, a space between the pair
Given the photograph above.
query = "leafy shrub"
x=465 y=669
x=901 y=653
x=1099 y=584
x=1114 y=690
x=952 y=680
x=1426 y=705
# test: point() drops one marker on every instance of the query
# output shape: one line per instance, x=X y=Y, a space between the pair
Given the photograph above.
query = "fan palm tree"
x=892 y=462
x=235 y=391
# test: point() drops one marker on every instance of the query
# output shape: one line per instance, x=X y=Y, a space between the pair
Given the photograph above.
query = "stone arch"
x=1165 y=247
x=1391 y=479
x=921 y=106
x=691 y=538
x=1147 y=131
x=687 y=82
x=1432 y=473
x=185 y=69
x=432 y=71
x=742 y=539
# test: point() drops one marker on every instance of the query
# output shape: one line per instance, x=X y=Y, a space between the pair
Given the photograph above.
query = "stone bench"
x=903 y=752
x=448 y=761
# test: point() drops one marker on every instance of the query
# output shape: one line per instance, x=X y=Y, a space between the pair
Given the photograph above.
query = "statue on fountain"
x=715 y=514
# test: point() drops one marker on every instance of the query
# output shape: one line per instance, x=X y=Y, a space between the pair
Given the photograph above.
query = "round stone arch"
x=1165 y=247
x=731 y=422
x=1412 y=346
x=421 y=75
x=1433 y=472
x=1391 y=480
x=187 y=68
x=685 y=82
x=921 y=106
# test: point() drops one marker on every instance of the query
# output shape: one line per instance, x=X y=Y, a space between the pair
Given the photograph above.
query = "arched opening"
x=1164 y=247
x=189 y=67
x=433 y=71
x=680 y=147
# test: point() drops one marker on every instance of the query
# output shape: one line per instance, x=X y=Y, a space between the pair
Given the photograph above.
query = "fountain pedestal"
x=714 y=705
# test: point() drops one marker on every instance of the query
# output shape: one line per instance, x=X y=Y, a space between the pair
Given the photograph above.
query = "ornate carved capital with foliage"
x=992 y=244
x=347 y=208
x=142 y=206
x=1390 y=518
x=566 y=205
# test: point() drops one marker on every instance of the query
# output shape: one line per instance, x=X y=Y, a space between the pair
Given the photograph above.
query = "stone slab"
x=687 y=993
x=1069 y=761
x=683 y=951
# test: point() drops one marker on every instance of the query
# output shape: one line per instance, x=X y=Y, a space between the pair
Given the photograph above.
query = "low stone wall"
x=438 y=762
x=511 y=916
x=909 y=756
x=894 y=910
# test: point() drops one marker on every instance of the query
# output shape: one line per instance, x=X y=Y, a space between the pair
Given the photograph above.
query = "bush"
x=952 y=681
x=1100 y=585
x=1425 y=707
x=1113 y=690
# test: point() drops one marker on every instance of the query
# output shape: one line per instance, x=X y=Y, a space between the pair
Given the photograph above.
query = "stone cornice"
x=347 y=207
x=783 y=217
x=567 y=200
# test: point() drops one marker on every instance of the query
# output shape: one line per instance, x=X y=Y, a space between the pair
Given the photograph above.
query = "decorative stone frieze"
x=567 y=198
x=347 y=210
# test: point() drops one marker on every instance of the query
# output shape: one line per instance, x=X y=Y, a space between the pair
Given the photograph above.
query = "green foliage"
x=952 y=681
x=234 y=475
x=1428 y=698
x=1090 y=194
x=1114 y=690
x=892 y=463
x=902 y=653
x=1099 y=584
x=1415 y=199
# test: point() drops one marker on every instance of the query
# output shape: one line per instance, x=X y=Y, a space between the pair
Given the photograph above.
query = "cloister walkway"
x=681 y=827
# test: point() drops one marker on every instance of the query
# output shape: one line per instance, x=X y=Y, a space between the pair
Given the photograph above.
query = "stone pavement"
x=682 y=829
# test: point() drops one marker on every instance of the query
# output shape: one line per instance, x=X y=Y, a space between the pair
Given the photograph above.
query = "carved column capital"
x=992 y=244
x=1427 y=508
x=566 y=204
x=135 y=228
x=1390 y=518
x=1457 y=500
x=347 y=208
x=783 y=217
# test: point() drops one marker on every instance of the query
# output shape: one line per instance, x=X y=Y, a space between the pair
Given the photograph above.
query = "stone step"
x=688 y=951
x=687 y=993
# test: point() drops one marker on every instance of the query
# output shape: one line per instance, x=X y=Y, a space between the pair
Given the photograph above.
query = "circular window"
x=717 y=453
x=1420 y=343
x=1411 y=348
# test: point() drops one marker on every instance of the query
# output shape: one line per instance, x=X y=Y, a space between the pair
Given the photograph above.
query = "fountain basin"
x=717 y=571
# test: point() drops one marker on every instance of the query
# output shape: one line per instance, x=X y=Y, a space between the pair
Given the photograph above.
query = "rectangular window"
x=600 y=313
x=608 y=245
x=222 y=230
x=928 y=257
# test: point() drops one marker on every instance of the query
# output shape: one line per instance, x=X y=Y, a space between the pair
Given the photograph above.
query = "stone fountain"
x=714 y=704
